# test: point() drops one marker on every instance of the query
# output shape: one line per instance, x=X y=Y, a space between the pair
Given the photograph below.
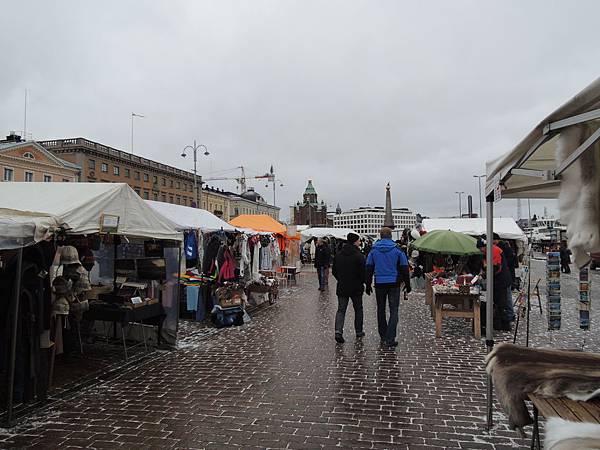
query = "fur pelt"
x=564 y=435
x=579 y=199
x=517 y=371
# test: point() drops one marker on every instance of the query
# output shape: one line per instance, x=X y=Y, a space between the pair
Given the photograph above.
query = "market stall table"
x=466 y=306
x=290 y=273
x=148 y=314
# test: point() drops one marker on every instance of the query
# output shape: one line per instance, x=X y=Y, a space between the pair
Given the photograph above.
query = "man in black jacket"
x=322 y=262
x=349 y=271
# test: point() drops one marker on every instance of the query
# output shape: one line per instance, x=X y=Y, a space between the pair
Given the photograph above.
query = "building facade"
x=150 y=179
x=27 y=161
x=309 y=211
x=369 y=220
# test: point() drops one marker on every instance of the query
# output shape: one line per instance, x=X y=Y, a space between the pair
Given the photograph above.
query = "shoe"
x=339 y=338
x=360 y=335
x=383 y=342
x=392 y=344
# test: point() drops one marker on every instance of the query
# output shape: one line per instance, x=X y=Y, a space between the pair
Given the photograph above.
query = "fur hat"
x=69 y=255
x=352 y=238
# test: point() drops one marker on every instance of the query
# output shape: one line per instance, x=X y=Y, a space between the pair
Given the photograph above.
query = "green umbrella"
x=447 y=242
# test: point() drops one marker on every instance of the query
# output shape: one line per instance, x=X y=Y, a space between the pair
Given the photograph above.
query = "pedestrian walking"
x=349 y=271
x=389 y=266
x=322 y=262
x=565 y=258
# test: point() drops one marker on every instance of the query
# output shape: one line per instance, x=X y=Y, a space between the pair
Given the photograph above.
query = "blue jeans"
x=387 y=327
x=322 y=274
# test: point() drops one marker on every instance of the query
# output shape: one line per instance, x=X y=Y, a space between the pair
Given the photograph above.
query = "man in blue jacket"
x=389 y=265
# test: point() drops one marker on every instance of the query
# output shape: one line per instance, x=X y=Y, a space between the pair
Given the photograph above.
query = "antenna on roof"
x=25 y=118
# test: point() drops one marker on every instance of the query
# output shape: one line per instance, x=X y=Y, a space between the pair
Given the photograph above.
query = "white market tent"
x=79 y=207
x=338 y=233
x=187 y=218
x=505 y=227
x=533 y=169
x=19 y=232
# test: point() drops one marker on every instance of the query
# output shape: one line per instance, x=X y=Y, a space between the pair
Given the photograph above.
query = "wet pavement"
x=282 y=382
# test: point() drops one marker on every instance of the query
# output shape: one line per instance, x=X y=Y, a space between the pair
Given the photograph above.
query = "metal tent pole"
x=489 y=304
x=13 y=343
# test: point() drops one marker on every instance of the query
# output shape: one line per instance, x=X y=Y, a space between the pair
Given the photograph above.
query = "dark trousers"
x=387 y=327
x=340 y=316
x=322 y=272
x=565 y=267
x=501 y=310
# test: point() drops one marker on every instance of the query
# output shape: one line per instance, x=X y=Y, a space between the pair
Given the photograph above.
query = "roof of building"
x=13 y=145
x=310 y=188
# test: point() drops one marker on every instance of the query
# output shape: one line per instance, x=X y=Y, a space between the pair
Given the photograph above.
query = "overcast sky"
x=351 y=94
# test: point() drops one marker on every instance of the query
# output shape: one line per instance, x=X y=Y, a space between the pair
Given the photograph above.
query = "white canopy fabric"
x=79 y=206
x=542 y=158
x=506 y=227
x=186 y=218
x=338 y=233
x=17 y=232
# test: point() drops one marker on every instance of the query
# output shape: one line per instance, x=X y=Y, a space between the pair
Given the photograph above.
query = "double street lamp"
x=460 y=194
x=479 y=177
x=195 y=148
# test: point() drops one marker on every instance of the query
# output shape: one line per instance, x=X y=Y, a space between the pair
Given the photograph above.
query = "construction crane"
x=241 y=180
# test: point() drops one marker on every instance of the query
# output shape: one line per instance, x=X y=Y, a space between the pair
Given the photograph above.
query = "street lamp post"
x=195 y=148
x=132 y=116
x=460 y=193
x=479 y=177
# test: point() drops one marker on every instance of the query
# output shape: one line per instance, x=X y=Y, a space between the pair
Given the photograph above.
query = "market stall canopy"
x=186 y=218
x=505 y=227
x=80 y=207
x=531 y=169
x=447 y=243
x=18 y=232
x=259 y=222
x=338 y=233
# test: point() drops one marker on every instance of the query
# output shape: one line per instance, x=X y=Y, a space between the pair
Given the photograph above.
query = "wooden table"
x=290 y=273
x=466 y=306
x=565 y=409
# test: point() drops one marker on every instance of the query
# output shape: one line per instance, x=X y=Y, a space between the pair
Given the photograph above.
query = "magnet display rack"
x=553 y=296
x=584 y=298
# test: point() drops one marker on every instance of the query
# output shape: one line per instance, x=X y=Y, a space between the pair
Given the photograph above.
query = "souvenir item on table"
x=553 y=298
x=584 y=299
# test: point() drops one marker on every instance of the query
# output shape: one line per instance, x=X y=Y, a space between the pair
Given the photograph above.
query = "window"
x=164 y=181
x=185 y=187
x=146 y=178
x=171 y=183
x=47 y=178
x=28 y=155
x=178 y=185
x=170 y=199
x=127 y=173
x=146 y=195
x=178 y=200
x=29 y=176
x=116 y=170
x=155 y=179
x=104 y=167
x=92 y=164
x=137 y=175
x=163 y=197
x=155 y=196
x=8 y=174
x=137 y=191
x=191 y=187
x=66 y=180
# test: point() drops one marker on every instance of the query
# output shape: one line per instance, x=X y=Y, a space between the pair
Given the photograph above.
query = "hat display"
x=61 y=286
x=61 y=306
x=69 y=255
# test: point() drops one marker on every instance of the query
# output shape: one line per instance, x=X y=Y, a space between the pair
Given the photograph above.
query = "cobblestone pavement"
x=282 y=382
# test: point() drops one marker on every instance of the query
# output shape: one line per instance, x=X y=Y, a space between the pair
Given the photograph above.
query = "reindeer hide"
x=564 y=435
x=579 y=199
x=517 y=371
